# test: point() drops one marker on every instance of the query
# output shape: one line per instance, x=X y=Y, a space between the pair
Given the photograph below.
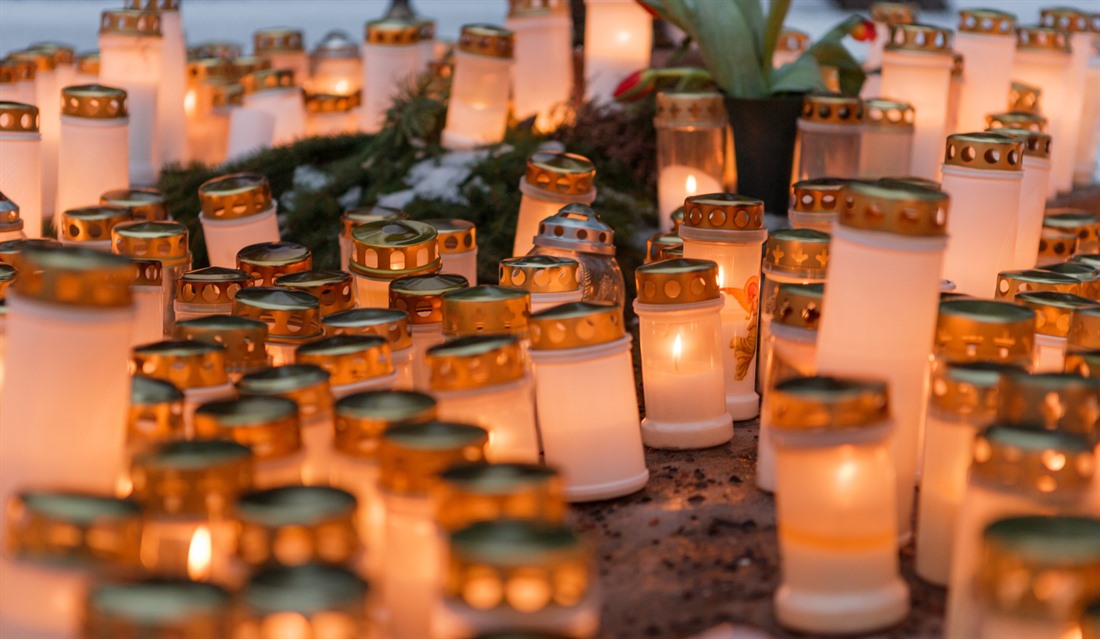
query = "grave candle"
x=156 y=415
x=976 y=330
x=1084 y=224
x=39 y=75
x=284 y=47
x=422 y=298
x=93 y=145
x=886 y=142
x=158 y=609
x=277 y=94
x=17 y=79
x=577 y=232
x=391 y=324
x=691 y=135
x=542 y=77
x=384 y=251
x=1084 y=329
x=269 y=426
x=90 y=226
x=457 y=241
x=237 y=210
x=883 y=14
x=1074 y=24
x=477 y=114
x=469 y=493
x=145 y=205
x=333 y=289
x=337 y=69
x=550 y=280
x=485 y=309
x=1052 y=319
x=298 y=525
x=987 y=40
x=1012 y=283
x=659 y=244
x=292 y=317
x=1043 y=59
x=148 y=291
x=166 y=245
x=815 y=204
x=21 y=162
x=1054 y=401
x=243 y=339
x=355 y=363
x=552 y=180
x=391 y=55
x=829 y=130
x=171 y=118
x=208 y=291
x=1033 y=192
x=618 y=39
x=353 y=218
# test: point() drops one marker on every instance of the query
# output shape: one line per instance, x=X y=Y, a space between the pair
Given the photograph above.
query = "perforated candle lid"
x=893 y=12
x=267 y=425
x=575 y=325
x=969 y=390
x=919 y=38
x=474 y=362
x=1011 y=283
x=987 y=22
x=201 y=69
x=331 y=103
x=349 y=359
x=677 y=281
x=540 y=273
x=277 y=40
x=723 y=212
x=468 y=493
x=454 y=236
x=73 y=529
x=92 y=223
x=187 y=364
x=1055 y=401
x=11 y=251
x=690 y=109
x=266 y=261
x=828 y=403
x=361 y=418
x=486 y=40
x=93 y=101
x=985 y=330
x=799 y=305
x=1024 y=97
x=389 y=249
x=1036 y=143
x=308 y=590
x=1017 y=120
x=576 y=227
x=894 y=208
x=158 y=609
x=411 y=456
x=72 y=276
x=215 y=49
x=984 y=151
x=295 y=525
x=130 y=22
x=61 y=53
x=268 y=80
x=43 y=61
x=485 y=309
x=213 y=285
x=144 y=204
x=202 y=477
x=156 y=411
x=882 y=112
x=291 y=316
x=560 y=173
x=333 y=289
x=1031 y=38
x=243 y=339
x=16 y=117
x=422 y=296
x=821 y=195
x=10 y=221
x=392 y=32
x=799 y=252
x=16 y=69
x=1065 y=19
x=832 y=109
x=364 y=214
x=307 y=385
x=1053 y=310
x=165 y=242
x=336 y=45
x=235 y=196
x=1021 y=458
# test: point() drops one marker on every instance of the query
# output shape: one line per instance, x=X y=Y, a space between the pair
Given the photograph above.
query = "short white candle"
x=353 y=218
x=355 y=363
x=1033 y=192
x=90 y=226
x=552 y=180
x=237 y=210
x=196 y=368
x=477 y=113
x=390 y=324
x=208 y=291
x=384 y=251
x=618 y=39
x=337 y=67
x=328 y=114
x=21 y=162
x=94 y=129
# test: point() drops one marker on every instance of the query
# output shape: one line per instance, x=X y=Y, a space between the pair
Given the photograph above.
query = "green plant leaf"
x=777 y=14
x=801 y=76
x=723 y=31
x=673 y=11
x=849 y=71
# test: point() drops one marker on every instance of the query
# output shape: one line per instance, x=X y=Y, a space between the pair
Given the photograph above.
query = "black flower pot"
x=764 y=131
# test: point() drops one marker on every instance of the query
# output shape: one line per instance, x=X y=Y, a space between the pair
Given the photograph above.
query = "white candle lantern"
x=469 y=493
x=269 y=426
x=355 y=363
x=457 y=241
x=542 y=78
x=47 y=96
x=62 y=56
x=1011 y=283
x=356 y=217
x=790 y=45
x=887 y=252
x=485 y=309
x=577 y=232
x=422 y=298
x=156 y=415
x=983 y=175
x=267 y=261
x=242 y=338
x=54 y=540
x=1014 y=471
x=1052 y=319
x=789 y=351
x=1043 y=59
x=596 y=444
x=1033 y=192
x=11 y=224
x=729 y=229
x=829 y=132
x=679 y=306
x=390 y=324
x=1085 y=166
x=333 y=289
x=292 y=317
x=332 y=114
x=203 y=74
x=91 y=226
x=337 y=66
x=886 y=144
x=955 y=92
x=512 y=573
x=477 y=114
x=816 y=204
x=483 y=380
x=691 y=135
x=95 y=124
x=883 y=14
x=276 y=93
x=21 y=162
x=208 y=291
x=237 y=210
x=1084 y=224
x=963 y=401
x=17 y=80
x=618 y=39
x=1052 y=401
x=392 y=54
x=158 y=609
x=188 y=492
x=916 y=68
x=411 y=456
x=384 y=251
x=196 y=368
x=68 y=325
x=285 y=48
x=987 y=40
x=166 y=245
x=550 y=280
x=131 y=58
x=1075 y=26
x=552 y=180
x=299 y=602
x=296 y=525
x=977 y=330
x=835 y=507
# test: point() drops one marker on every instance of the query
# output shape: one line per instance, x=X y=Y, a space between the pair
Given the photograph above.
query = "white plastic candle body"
x=886 y=140
x=47 y=96
x=507 y=411
x=41 y=601
x=921 y=78
x=424 y=336
x=691 y=139
x=782 y=252
x=477 y=114
x=464 y=264
x=1085 y=165
x=542 y=77
x=287 y=110
x=987 y=72
x=171 y=117
x=1081 y=44
x=412 y=565
x=148 y=315
x=359 y=476
x=829 y=135
x=93 y=158
x=249 y=131
x=618 y=38
x=224 y=238
x=134 y=64
x=1049 y=70
x=791 y=353
x=21 y=176
x=386 y=69
x=1033 y=197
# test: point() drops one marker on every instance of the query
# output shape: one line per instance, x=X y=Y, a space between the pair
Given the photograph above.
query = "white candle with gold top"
x=421 y=296
x=884 y=14
x=1012 y=283
x=285 y=48
x=1052 y=319
x=485 y=309
x=1054 y=401
x=1087 y=275
x=477 y=113
x=270 y=426
x=267 y=261
x=243 y=339
x=237 y=210
x=355 y=363
x=157 y=608
x=484 y=380
x=188 y=492
x=90 y=226
x=729 y=229
x=551 y=181
x=691 y=153
x=156 y=415
x=208 y=291
x=886 y=141
x=391 y=59
x=337 y=68
x=1043 y=60
x=333 y=289
x=37 y=72
x=618 y=40
x=987 y=40
x=21 y=162
x=171 y=118
x=296 y=525
x=166 y=245
x=1033 y=192
x=204 y=73
x=328 y=114
x=1015 y=470
x=550 y=280
x=95 y=123
x=353 y=218
x=829 y=129
x=196 y=368
x=887 y=253
x=386 y=250
x=148 y=291
x=577 y=232
x=469 y=493
x=542 y=77
x=390 y=324
x=976 y=330
x=457 y=246
x=835 y=508
x=17 y=79
x=223 y=100
x=816 y=204
x=1082 y=223
x=293 y=318
x=1079 y=33
x=679 y=306
x=300 y=602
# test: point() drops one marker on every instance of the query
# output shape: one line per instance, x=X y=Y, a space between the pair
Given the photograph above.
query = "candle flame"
x=677 y=350
x=624 y=36
x=198 y=555
x=691 y=185
x=720 y=277
x=189 y=101
x=341 y=87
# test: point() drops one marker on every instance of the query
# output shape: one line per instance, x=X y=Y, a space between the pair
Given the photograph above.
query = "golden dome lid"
x=243 y=339
x=690 y=109
x=349 y=359
x=969 y=390
x=292 y=317
x=1022 y=459
x=16 y=117
x=540 y=273
x=799 y=305
x=895 y=208
x=361 y=418
x=390 y=249
x=333 y=289
x=969 y=330
x=203 y=477
x=1012 y=283
x=421 y=296
x=828 y=404
x=234 y=196
x=277 y=40
x=187 y=364
x=411 y=456
x=820 y=195
x=486 y=40
x=832 y=109
x=987 y=22
x=1053 y=310
x=1036 y=143
x=266 y=261
x=655 y=247
x=333 y=103
x=165 y=242
x=986 y=151
x=267 y=425
x=677 y=281
x=576 y=227
x=392 y=32
x=73 y=529
x=130 y=22
x=157 y=609
x=919 y=38
x=575 y=325
x=724 y=212
x=213 y=285
x=560 y=173
x=94 y=101
x=388 y=323
x=469 y=493
x=1032 y=38
x=1055 y=401
x=148 y=205
x=156 y=411
x=799 y=252
x=475 y=362
x=485 y=309
x=454 y=236
x=296 y=525
x=72 y=276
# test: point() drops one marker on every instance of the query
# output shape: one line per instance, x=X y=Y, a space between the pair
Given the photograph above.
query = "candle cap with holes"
x=723 y=212
x=156 y=411
x=894 y=208
x=72 y=276
x=187 y=364
x=332 y=103
x=292 y=317
x=1017 y=120
x=306 y=384
x=201 y=478
x=215 y=49
x=1084 y=224
x=148 y=205
x=336 y=45
x=655 y=247
x=984 y=151
x=411 y=456
x=454 y=236
x=486 y=40
x=1056 y=244
x=158 y=609
x=1012 y=283
x=247 y=65
x=150 y=273
x=1053 y=310
x=62 y=54
x=919 y=38
x=16 y=117
x=987 y=22
x=801 y=253
x=894 y=12
x=243 y=339
x=799 y=305
x=422 y=296
x=365 y=214
x=540 y=273
x=1036 y=143
x=130 y=22
x=11 y=251
x=92 y=223
x=828 y=404
x=690 y=109
x=976 y=330
x=560 y=173
x=475 y=362
x=820 y=195
x=73 y=529
x=468 y=493
x=1055 y=401
x=10 y=221
x=267 y=425
x=1032 y=38
x=1065 y=19
x=1087 y=275
x=43 y=61
x=390 y=249
x=333 y=289
x=968 y=390
x=575 y=325
x=832 y=109
x=266 y=261
x=235 y=196
x=392 y=32
x=1024 y=97
x=361 y=418
x=1085 y=363
x=268 y=80
x=165 y=242
x=296 y=525
x=677 y=281
x=883 y=112
x=211 y=286
x=485 y=309
x=391 y=324
x=202 y=69
x=17 y=69
x=309 y=591
x=534 y=8
x=349 y=359
x=1084 y=328
x=576 y=227
x=277 y=40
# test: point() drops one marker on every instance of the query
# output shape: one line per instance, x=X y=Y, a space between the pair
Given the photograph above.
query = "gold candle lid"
x=16 y=117
x=17 y=69
x=150 y=273
x=1084 y=328
x=975 y=330
x=801 y=253
x=144 y=204
x=336 y=45
x=267 y=425
x=919 y=38
x=242 y=338
x=910 y=181
x=188 y=364
x=1065 y=19
x=247 y=65
x=129 y=22
x=94 y=101
x=266 y=261
x=1042 y=39
x=454 y=236
x=828 y=404
x=309 y=591
x=213 y=285
x=234 y=196
x=1020 y=458
x=331 y=103
x=202 y=69
x=888 y=113
x=73 y=529
x=390 y=249
x=292 y=317
x=333 y=289
x=7 y=276
x=690 y=109
x=392 y=32
x=529 y=8
x=225 y=94
x=723 y=212
x=1084 y=224
x=575 y=325
x=1024 y=97
x=1053 y=310
x=469 y=493
x=1085 y=363
x=1055 y=401
x=165 y=242
x=576 y=227
x=893 y=12
x=11 y=252
x=969 y=390
x=153 y=5
x=388 y=323
x=526 y=566
x=1040 y=567
x=820 y=195
x=832 y=109
x=485 y=309
x=411 y=456
x=1036 y=143
x=1016 y=120
x=9 y=215
x=267 y=80
x=475 y=362
x=203 y=477
x=421 y=296
x=560 y=173
x=156 y=411
x=215 y=49
x=361 y=418
x=61 y=53
x=92 y=223
x=1012 y=283
x=277 y=40
x=1056 y=244
x=72 y=276
x=799 y=305
x=486 y=40
x=296 y=525
x=987 y=22
x=307 y=385
x=677 y=281
x=792 y=40
x=42 y=60
x=157 y=609
x=540 y=273
x=985 y=151
x=349 y=359
x=655 y=247
x=364 y=214
x=895 y=208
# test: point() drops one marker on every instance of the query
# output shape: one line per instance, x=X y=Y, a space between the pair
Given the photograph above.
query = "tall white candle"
x=285 y=48
x=542 y=77
x=391 y=59
x=384 y=251
x=95 y=125
x=484 y=310
x=1080 y=41
x=21 y=162
x=618 y=39
x=166 y=245
x=171 y=117
x=355 y=363
x=987 y=40
x=243 y=339
x=477 y=113
x=269 y=426
x=883 y=14
x=276 y=93
x=691 y=140
x=552 y=180
x=816 y=204
x=45 y=93
x=1033 y=192
x=1043 y=59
